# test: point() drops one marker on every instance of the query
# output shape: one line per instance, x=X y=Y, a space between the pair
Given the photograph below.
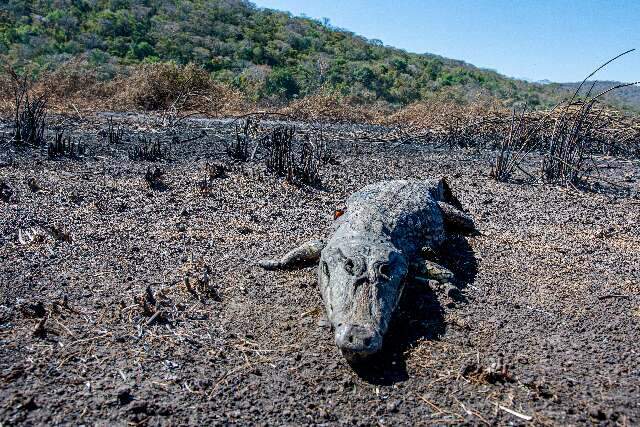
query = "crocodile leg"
x=433 y=271
x=429 y=253
x=307 y=253
x=455 y=218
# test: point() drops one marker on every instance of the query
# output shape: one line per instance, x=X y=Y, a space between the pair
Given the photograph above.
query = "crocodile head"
x=361 y=281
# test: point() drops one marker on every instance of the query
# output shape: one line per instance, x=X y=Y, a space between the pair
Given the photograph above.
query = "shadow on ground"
x=420 y=316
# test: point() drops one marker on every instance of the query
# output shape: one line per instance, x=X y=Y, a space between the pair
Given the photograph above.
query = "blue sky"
x=562 y=40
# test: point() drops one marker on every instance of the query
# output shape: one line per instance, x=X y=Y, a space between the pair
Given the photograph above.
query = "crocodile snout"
x=356 y=341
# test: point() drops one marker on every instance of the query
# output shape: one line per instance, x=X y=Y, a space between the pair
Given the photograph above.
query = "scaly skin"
x=364 y=263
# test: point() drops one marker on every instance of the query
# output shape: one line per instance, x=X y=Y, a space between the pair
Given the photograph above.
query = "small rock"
x=29 y=404
x=33 y=310
x=393 y=406
x=124 y=395
x=597 y=414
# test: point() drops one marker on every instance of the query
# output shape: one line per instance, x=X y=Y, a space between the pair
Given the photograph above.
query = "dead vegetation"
x=496 y=372
x=173 y=90
x=567 y=137
x=513 y=148
x=29 y=112
x=167 y=86
x=145 y=270
x=114 y=134
x=335 y=108
x=298 y=162
x=298 y=157
x=167 y=304
x=280 y=157
x=63 y=146
x=150 y=151
x=246 y=132
x=198 y=284
x=169 y=89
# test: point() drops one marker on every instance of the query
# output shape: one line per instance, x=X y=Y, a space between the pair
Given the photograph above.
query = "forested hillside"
x=266 y=54
x=627 y=97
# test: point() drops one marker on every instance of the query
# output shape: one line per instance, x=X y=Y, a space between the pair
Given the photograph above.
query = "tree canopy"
x=265 y=53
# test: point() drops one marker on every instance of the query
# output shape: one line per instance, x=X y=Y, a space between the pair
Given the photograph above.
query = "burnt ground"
x=99 y=325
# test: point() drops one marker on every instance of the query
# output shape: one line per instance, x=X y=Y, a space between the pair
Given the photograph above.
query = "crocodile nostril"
x=351 y=338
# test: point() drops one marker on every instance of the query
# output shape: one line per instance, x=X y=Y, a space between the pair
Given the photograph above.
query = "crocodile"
x=389 y=231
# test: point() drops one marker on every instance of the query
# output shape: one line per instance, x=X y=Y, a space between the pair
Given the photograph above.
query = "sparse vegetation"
x=149 y=151
x=298 y=161
x=29 y=112
x=145 y=270
x=239 y=148
x=566 y=136
x=115 y=135
x=63 y=146
x=513 y=148
x=280 y=152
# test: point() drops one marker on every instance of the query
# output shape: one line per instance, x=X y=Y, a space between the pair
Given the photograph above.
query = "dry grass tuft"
x=568 y=137
x=166 y=87
x=172 y=88
x=333 y=107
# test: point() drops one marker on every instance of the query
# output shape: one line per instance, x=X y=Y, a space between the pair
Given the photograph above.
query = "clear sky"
x=562 y=40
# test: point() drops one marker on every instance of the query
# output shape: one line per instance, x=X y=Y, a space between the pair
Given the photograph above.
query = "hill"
x=267 y=54
x=627 y=97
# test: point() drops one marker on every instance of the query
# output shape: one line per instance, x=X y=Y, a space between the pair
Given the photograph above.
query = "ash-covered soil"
x=123 y=304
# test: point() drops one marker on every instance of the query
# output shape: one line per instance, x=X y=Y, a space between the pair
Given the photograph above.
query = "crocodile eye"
x=348 y=265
